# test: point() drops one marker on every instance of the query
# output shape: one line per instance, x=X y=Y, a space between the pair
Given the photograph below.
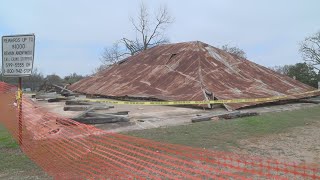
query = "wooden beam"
x=57 y=99
x=78 y=103
x=84 y=108
x=83 y=114
x=227 y=115
x=314 y=101
x=93 y=114
x=50 y=95
x=62 y=89
x=208 y=117
x=242 y=114
x=101 y=120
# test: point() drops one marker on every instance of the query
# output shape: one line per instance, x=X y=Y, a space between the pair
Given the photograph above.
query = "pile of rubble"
x=93 y=113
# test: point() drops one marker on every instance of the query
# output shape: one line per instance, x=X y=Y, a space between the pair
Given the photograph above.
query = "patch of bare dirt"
x=300 y=144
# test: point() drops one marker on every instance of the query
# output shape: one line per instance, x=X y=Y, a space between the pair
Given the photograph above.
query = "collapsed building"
x=190 y=71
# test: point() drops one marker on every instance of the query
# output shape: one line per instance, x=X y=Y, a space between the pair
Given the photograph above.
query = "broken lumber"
x=227 y=115
x=83 y=114
x=93 y=114
x=209 y=116
x=63 y=91
x=50 y=95
x=84 y=108
x=101 y=120
x=242 y=114
x=78 y=103
x=89 y=117
x=57 y=99
x=314 y=101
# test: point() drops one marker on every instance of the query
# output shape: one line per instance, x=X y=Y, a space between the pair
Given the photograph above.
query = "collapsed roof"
x=189 y=71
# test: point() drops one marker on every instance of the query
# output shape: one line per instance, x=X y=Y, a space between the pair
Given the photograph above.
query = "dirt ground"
x=299 y=144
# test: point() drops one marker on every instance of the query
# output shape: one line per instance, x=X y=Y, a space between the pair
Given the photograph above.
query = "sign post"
x=17 y=61
x=19 y=102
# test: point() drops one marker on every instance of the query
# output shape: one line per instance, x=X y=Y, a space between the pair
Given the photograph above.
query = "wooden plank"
x=314 y=101
x=62 y=89
x=57 y=99
x=208 y=117
x=75 y=108
x=84 y=108
x=78 y=103
x=227 y=115
x=83 y=114
x=50 y=95
x=93 y=114
x=60 y=99
x=101 y=120
x=242 y=114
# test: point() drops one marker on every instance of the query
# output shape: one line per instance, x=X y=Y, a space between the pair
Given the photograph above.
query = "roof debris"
x=189 y=71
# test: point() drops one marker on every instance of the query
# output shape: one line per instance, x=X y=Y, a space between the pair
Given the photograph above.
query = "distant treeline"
x=302 y=72
x=37 y=79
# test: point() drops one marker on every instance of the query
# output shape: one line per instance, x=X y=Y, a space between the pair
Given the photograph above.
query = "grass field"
x=14 y=164
x=225 y=134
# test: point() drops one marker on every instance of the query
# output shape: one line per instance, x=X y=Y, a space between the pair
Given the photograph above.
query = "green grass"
x=14 y=164
x=223 y=134
x=6 y=141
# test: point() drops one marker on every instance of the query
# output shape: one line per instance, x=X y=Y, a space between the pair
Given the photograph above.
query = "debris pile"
x=90 y=114
x=93 y=113
x=191 y=71
x=225 y=115
x=54 y=93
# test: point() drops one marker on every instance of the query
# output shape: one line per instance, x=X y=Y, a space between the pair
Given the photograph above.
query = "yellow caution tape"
x=19 y=98
x=196 y=102
x=19 y=95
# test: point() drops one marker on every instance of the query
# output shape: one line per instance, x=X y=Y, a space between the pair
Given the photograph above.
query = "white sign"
x=17 y=55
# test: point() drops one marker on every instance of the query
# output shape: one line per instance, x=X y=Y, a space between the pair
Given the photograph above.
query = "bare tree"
x=72 y=78
x=281 y=69
x=112 y=55
x=150 y=31
x=54 y=79
x=100 y=68
x=310 y=49
x=234 y=50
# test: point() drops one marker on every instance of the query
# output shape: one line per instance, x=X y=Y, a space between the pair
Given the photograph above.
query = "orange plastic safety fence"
x=66 y=149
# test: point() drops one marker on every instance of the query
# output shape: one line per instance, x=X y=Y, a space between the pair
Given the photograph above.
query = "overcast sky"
x=71 y=34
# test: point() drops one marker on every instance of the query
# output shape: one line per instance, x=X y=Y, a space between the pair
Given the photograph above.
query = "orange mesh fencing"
x=66 y=149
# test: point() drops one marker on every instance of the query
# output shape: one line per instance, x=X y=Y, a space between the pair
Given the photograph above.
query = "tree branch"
x=310 y=49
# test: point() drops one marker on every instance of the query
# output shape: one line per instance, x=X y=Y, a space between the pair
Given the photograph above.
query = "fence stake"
x=20 y=110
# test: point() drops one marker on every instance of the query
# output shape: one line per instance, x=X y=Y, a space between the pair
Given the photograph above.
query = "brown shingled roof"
x=189 y=71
